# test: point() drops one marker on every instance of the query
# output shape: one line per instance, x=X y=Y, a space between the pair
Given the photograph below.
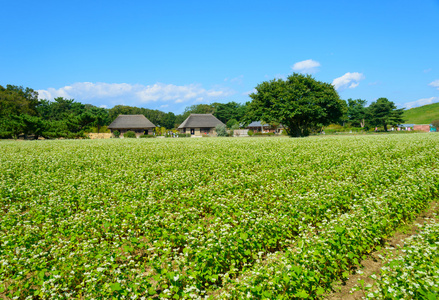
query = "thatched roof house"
x=199 y=124
x=137 y=123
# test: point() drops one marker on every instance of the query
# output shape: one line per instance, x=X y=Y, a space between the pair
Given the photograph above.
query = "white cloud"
x=306 y=66
x=134 y=94
x=420 y=102
x=253 y=91
x=103 y=106
x=435 y=84
x=348 y=81
x=237 y=80
x=427 y=70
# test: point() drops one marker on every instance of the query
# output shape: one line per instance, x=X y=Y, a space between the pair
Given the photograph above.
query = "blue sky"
x=171 y=54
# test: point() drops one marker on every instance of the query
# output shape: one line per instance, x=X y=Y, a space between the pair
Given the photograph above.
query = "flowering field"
x=203 y=218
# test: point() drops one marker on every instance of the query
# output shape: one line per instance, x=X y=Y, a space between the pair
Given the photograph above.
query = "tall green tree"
x=300 y=103
x=383 y=113
x=356 y=112
x=101 y=116
x=16 y=100
x=228 y=111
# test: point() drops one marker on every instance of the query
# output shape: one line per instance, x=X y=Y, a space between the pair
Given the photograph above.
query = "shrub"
x=221 y=130
x=130 y=135
x=435 y=123
x=147 y=136
x=250 y=132
x=116 y=133
x=184 y=135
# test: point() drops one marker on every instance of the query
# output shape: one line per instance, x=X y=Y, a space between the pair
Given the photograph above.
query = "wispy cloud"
x=306 y=66
x=420 y=102
x=427 y=70
x=348 y=81
x=159 y=94
x=374 y=83
x=250 y=92
x=235 y=80
x=434 y=84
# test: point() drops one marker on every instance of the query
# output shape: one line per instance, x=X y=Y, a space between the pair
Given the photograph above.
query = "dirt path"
x=373 y=264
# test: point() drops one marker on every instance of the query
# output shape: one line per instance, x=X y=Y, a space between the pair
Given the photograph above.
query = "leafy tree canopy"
x=229 y=111
x=383 y=113
x=356 y=112
x=300 y=103
x=16 y=100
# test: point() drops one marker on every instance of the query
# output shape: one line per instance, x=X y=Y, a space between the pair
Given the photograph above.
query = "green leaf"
x=116 y=286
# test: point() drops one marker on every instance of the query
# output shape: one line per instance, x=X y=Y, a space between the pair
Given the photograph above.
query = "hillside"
x=422 y=115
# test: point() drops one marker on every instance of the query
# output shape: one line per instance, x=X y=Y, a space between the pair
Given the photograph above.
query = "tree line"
x=300 y=103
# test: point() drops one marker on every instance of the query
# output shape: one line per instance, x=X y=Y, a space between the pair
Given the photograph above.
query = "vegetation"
x=384 y=112
x=221 y=130
x=116 y=133
x=225 y=218
x=22 y=113
x=422 y=115
x=300 y=103
x=129 y=134
x=413 y=274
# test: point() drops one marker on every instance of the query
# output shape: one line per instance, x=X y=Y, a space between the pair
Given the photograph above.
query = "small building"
x=257 y=126
x=406 y=126
x=422 y=127
x=137 y=123
x=200 y=124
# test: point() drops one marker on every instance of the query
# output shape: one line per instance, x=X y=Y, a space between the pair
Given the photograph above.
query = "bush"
x=435 y=123
x=184 y=135
x=147 y=136
x=130 y=135
x=116 y=133
x=250 y=132
x=221 y=130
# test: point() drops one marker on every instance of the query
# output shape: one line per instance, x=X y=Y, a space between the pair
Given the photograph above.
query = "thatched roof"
x=200 y=121
x=131 y=122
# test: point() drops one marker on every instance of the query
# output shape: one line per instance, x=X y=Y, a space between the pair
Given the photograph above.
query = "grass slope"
x=422 y=115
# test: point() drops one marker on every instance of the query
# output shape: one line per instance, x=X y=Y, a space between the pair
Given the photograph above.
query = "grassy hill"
x=422 y=115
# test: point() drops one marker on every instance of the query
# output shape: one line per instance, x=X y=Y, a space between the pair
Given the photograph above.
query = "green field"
x=422 y=115
x=218 y=218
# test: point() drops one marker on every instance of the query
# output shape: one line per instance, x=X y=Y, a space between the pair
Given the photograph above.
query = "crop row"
x=414 y=273
x=192 y=219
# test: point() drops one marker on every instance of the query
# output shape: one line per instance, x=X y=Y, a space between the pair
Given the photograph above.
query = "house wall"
x=240 y=132
x=425 y=128
x=138 y=132
x=199 y=131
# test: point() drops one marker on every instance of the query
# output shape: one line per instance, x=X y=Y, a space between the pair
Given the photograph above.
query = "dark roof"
x=200 y=120
x=257 y=124
x=131 y=122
